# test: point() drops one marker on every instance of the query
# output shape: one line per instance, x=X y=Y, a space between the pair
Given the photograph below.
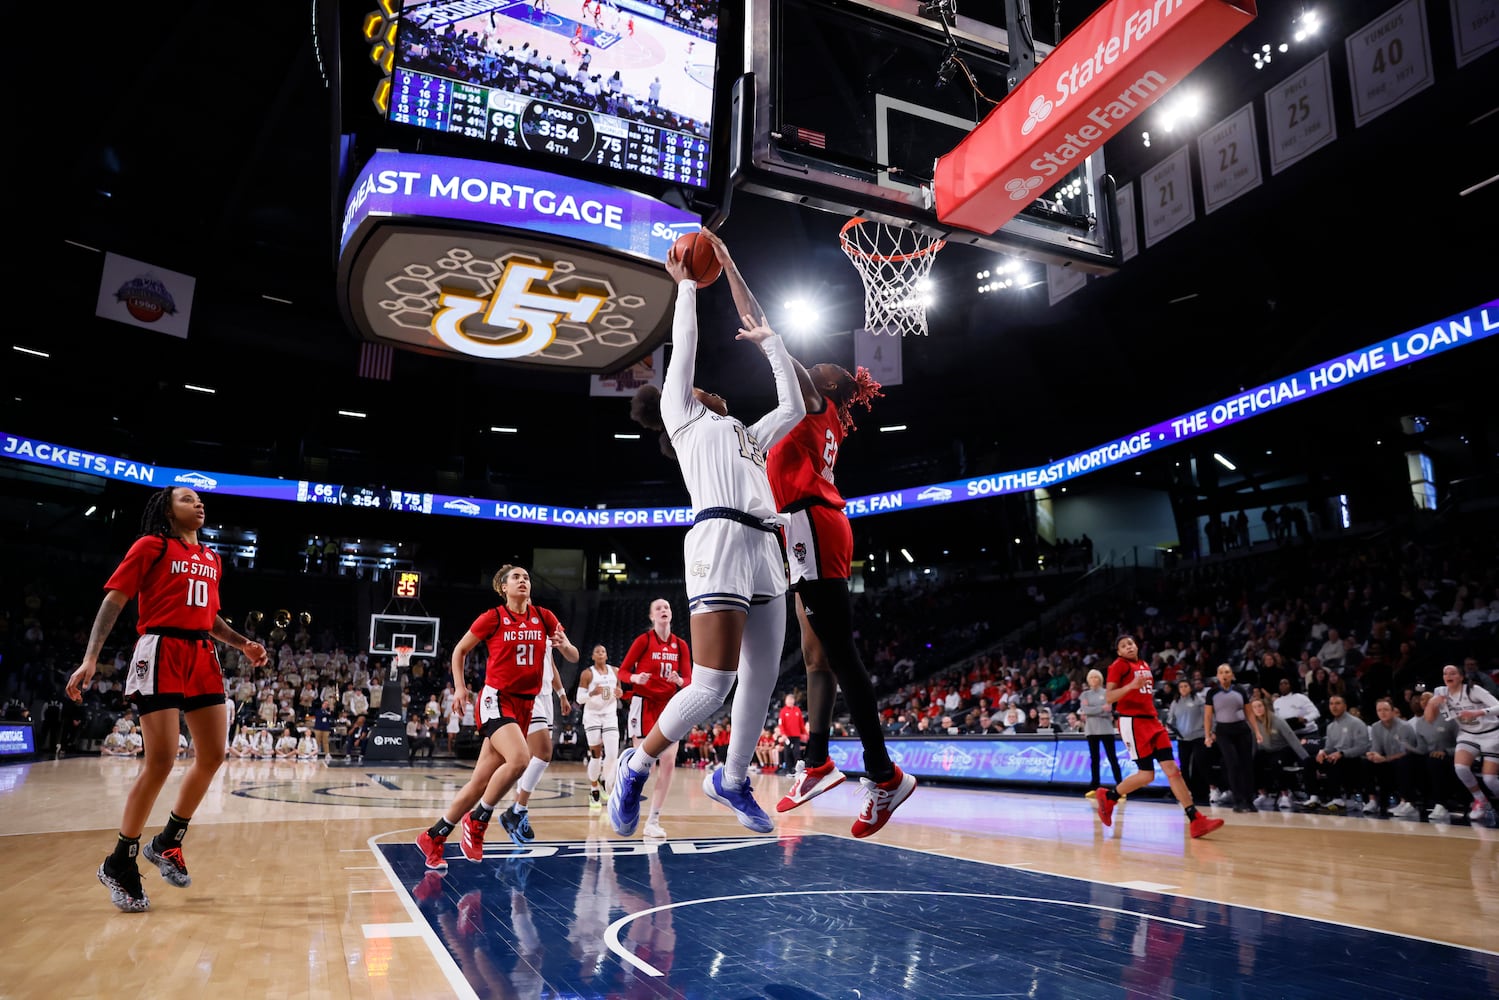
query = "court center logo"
x=514 y=305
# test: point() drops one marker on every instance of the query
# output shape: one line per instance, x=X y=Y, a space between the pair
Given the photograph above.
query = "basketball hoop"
x=894 y=263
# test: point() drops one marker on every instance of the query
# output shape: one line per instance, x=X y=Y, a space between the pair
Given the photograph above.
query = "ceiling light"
x=352 y=413
x=277 y=299
x=892 y=427
x=81 y=246
x=627 y=437
x=1231 y=467
x=91 y=509
x=503 y=430
x=199 y=388
x=28 y=350
x=907 y=555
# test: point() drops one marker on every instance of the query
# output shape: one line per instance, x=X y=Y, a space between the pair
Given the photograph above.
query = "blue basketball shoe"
x=624 y=797
x=739 y=798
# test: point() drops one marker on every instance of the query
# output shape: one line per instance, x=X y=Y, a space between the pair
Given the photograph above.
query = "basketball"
x=697 y=253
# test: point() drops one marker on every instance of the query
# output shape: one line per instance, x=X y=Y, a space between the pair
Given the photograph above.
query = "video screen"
x=624 y=85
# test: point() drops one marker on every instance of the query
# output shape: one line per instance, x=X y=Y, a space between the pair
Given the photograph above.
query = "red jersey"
x=176 y=585
x=650 y=655
x=800 y=465
x=792 y=723
x=1139 y=703
x=517 y=647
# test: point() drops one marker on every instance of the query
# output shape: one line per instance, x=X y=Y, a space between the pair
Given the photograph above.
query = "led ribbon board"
x=1458 y=330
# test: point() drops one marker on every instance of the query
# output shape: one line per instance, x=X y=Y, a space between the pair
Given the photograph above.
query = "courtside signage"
x=1115 y=65
x=16 y=740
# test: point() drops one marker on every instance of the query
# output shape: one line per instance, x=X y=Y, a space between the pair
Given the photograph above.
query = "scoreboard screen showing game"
x=625 y=88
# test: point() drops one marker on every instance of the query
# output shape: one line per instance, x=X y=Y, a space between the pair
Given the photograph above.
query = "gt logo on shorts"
x=700 y=568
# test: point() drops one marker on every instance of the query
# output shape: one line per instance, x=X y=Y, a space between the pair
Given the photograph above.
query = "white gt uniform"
x=541 y=710
x=732 y=552
x=601 y=711
x=1480 y=736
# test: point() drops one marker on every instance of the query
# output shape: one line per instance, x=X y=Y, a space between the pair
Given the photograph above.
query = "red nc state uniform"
x=1139 y=726
x=176 y=587
x=517 y=651
x=648 y=654
x=819 y=539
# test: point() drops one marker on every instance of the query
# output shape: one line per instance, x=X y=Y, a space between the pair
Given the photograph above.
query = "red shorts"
x=643 y=716
x=819 y=544
x=170 y=672
x=500 y=708
x=1143 y=737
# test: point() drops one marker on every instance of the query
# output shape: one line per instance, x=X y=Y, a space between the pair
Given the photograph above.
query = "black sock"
x=126 y=848
x=481 y=813
x=441 y=828
x=1112 y=794
x=171 y=835
x=817 y=749
x=1191 y=812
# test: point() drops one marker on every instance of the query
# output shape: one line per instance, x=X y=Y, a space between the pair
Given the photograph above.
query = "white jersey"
x=604 y=703
x=1470 y=698
x=722 y=460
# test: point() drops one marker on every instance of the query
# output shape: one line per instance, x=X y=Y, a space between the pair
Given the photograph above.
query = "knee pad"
x=696 y=702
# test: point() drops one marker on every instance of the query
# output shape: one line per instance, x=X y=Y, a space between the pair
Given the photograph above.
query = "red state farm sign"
x=1115 y=65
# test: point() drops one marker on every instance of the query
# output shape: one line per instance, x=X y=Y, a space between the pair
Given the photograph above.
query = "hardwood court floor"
x=292 y=896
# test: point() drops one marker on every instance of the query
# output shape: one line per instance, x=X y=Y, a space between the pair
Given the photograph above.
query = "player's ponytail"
x=156 y=518
x=645 y=410
x=859 y=389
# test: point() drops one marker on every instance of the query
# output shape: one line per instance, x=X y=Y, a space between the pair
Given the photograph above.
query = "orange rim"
x=894 y=258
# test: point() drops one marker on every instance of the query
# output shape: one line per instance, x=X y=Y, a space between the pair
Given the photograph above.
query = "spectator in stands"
x=117 y=743
x=322 y=724
x=1472 y=675
x=358 y=737
x=1296 y=708
x=766 y=752
x=1390 y=761
x=1341 y=759
x=307 y=746
x=1185 y=717
x=1437 y=779
x=264 y=744
x=1043 y=722
x=286 y=744
x=1098 y=726
x=1226 y=723
x=794 y=727
x=1332 y=652
x=241 y=747
x=418 y=737
x=1279 y=749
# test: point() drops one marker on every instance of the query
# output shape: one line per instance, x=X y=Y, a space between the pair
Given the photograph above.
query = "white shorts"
x=731 y=566
x=1481 y=745
x=596 y=724
x=541 y=712
x=635 y=719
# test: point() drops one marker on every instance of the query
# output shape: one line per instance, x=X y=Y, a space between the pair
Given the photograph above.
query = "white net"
x=894 y=263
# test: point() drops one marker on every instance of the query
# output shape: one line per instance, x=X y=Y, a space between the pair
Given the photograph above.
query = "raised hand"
x=756 y=331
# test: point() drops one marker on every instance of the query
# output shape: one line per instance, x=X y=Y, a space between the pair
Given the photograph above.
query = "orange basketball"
x=697 y=253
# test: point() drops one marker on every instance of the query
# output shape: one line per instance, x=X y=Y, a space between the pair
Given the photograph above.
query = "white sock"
x=640 y=761
x=759 y=669
x=594 y=766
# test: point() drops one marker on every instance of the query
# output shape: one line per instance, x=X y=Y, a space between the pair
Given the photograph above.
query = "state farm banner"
x=141 y=294
x=1115 y=65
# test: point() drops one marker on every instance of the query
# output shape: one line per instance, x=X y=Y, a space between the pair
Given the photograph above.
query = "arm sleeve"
x=678 y=404
x=790 y=404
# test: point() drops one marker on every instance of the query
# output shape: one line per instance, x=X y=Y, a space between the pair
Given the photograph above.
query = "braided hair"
x=861 y=389
x=156 y=519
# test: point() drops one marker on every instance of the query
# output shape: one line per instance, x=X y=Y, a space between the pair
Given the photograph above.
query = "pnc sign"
x=1115 y=65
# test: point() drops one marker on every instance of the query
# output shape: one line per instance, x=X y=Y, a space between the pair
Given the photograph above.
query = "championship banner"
x=134 y=292
x=1115 y=65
